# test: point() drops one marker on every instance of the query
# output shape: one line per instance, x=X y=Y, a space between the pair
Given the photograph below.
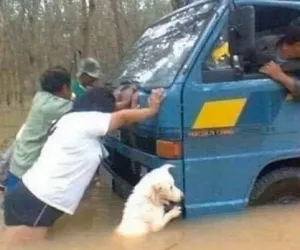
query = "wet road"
x=92 y=226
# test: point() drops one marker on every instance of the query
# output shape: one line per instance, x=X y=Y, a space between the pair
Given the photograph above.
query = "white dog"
x=144 y=210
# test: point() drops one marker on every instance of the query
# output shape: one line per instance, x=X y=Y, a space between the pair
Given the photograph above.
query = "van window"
x=270 y=25
x=156 y=57
x=219 y=57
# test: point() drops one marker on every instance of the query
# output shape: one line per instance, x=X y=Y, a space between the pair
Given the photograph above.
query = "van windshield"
x=154 y=60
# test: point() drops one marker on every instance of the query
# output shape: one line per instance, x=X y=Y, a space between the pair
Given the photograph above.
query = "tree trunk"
x=115 y=6
x=87 y=14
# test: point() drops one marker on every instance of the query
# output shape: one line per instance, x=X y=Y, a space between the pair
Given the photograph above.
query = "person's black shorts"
x=21 y=207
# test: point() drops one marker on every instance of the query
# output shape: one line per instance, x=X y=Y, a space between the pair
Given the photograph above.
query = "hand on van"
x=155 y=99
x=124 y=97
x=130 y=116
x=274 y=71
x=134 y=101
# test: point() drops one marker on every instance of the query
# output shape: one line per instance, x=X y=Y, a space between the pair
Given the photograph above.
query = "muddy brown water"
x=100 y=211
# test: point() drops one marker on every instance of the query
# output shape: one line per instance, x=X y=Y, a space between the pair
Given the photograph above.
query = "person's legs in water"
x=27 y=218
x=20 y=235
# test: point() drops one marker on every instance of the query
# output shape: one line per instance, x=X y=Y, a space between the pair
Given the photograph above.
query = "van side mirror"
x=241 y=31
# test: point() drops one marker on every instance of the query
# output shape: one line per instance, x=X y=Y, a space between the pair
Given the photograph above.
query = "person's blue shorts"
x=11 y=181
x=21 y=207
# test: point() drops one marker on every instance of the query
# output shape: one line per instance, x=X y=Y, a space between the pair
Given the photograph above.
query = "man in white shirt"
x=56 y=182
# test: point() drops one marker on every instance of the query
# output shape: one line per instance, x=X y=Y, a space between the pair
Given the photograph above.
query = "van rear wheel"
x=281 y=186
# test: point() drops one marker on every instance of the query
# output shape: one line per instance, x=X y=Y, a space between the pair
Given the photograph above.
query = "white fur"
x=144 y=210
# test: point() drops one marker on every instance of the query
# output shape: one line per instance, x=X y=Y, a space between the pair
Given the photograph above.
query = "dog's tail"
x=167 y=166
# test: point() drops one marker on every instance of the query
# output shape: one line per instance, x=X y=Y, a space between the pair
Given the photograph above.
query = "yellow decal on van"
x=220 y=114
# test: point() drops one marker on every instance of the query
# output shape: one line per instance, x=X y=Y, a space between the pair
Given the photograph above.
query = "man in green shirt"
x=89 y=72
x=48 y=105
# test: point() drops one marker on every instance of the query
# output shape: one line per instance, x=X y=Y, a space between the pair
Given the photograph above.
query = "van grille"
x=124 y=167
x=145 y=144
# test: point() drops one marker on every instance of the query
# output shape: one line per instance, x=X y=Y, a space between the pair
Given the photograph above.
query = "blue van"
x=232 y=133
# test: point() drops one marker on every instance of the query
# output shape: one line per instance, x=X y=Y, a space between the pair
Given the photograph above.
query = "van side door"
x=233 y=124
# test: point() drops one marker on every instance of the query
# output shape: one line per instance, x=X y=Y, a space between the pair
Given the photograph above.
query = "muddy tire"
x=281 y=186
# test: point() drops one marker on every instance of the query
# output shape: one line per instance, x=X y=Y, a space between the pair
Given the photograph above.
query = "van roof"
x=263 y=2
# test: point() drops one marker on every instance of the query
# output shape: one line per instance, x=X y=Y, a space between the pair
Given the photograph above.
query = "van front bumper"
x=131 y=162
x=129 y=157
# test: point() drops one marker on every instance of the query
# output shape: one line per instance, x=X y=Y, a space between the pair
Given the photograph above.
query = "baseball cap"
x=91 y=67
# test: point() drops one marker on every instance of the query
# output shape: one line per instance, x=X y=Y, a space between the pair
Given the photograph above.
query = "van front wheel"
x=281 y=186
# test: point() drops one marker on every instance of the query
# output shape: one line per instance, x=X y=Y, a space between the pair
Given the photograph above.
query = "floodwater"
x=100 y=211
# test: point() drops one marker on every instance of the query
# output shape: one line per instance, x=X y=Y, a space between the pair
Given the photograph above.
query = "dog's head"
x=162 y=186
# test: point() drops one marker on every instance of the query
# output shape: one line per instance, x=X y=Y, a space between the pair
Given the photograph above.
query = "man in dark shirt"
x=287 y=49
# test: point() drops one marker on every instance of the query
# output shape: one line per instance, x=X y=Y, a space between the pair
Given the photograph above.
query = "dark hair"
x=292 y=34
x=54 y=78
x=96 y=99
